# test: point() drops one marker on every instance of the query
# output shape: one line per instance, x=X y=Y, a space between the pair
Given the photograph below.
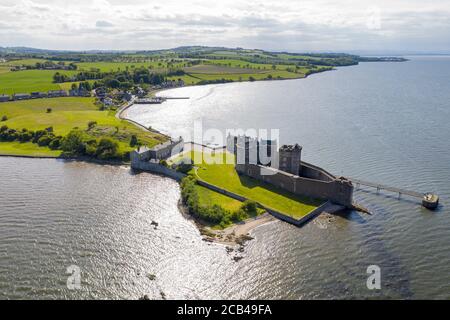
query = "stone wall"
x=336 y=190
x=155 y=168
x=298 y=222
x=159 y=152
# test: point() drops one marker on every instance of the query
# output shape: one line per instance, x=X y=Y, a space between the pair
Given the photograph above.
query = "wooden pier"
x=173 y=98
x=429 y=200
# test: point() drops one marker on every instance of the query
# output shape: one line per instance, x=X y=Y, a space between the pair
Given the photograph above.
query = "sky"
x=278 y=25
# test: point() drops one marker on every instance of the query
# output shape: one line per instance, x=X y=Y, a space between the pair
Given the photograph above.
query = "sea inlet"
x=382 y=122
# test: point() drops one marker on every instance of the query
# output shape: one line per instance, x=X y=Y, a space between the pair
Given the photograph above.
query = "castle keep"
x=287 y=171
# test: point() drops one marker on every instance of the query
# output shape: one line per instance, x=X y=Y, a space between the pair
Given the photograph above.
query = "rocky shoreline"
x=233 y=236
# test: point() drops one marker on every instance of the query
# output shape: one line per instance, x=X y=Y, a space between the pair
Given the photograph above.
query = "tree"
x=91 y=124
x=107 y=149
x=250 y=207
x=74 y=142
x=133 y=141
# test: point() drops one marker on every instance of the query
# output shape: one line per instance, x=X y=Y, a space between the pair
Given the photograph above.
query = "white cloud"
x=103 y=24
x=277 y=25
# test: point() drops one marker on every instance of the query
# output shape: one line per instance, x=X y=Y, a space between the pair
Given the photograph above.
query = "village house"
x=4 y=97
x=80 y=92
x=140 y=92
x=127 y=96
x=107 y=101
x=100 y=92
x=123 y=95
x=57 y=93
x=35 y=95
x=21 y=96
x=18 y=68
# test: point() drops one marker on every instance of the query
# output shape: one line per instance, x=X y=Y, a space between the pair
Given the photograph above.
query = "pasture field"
x=68 y=113
x=4 y=69
x=22 y=62
x=15 y=109
x=247 y=76
x=216 y=69
x=122 y=66
x=189 y=80
x=249 y=65
x=26 y=149
x=29 y=81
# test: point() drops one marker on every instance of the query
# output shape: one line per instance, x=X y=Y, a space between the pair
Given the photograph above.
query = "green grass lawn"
x=68 y=113
x=226 y=177
x=208 y=198
x=29 y=81
x=27 y=149
x=38 y=106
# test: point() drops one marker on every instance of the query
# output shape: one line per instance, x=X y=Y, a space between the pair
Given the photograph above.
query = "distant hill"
x=205 y=52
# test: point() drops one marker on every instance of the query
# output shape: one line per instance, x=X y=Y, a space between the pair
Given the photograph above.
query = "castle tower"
x=267 y=152
x=246 y=150
x=232 y=143
x=290 y=158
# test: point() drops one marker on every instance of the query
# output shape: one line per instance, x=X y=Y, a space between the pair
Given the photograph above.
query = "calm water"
x=384 y=122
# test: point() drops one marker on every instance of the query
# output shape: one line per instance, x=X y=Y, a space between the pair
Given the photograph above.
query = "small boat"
x=430 y=201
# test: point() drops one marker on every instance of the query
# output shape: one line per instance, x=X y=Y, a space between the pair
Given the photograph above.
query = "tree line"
x=215 y=214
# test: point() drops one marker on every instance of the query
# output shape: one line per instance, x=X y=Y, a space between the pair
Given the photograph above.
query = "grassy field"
x=27 y=149
x=29 y=81
x=38 y=106
x=4 y=69
x=226 y=177
x=247 y=76
x=122 y=66
x=208 y=198
x=188 y=79
x=23 y=62
x=228 y=67
x=66 y=114
x=216 y=69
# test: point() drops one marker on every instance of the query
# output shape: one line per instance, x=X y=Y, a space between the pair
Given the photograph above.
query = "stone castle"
x=283 y=168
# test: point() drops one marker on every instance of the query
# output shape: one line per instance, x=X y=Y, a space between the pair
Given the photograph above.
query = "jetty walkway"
x=379 y=187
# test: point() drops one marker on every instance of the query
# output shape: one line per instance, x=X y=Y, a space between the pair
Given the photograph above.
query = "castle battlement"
x=287 y=171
